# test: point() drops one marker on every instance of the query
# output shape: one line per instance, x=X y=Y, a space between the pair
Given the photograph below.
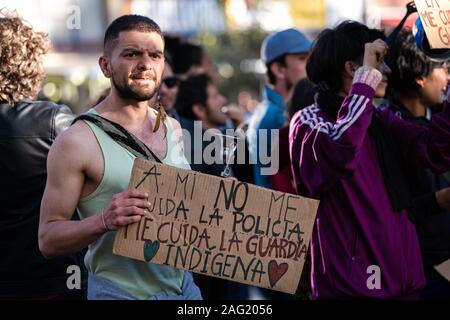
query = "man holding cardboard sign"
x=89 y=169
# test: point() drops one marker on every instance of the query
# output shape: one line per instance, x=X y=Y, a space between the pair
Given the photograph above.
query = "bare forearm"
x=62 y=237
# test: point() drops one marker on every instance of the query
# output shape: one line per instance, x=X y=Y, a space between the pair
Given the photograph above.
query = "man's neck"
x=281 y=89
x=414 y=105
x=208 y=125
x=124 y=111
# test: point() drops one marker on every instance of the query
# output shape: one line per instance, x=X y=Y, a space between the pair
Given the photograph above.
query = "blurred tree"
x=232 y=52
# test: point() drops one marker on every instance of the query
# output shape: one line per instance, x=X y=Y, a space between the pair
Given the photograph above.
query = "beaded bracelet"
x=104 y=222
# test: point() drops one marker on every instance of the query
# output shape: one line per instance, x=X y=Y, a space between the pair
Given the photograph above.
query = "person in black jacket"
x=27 y=130
x=416 y=84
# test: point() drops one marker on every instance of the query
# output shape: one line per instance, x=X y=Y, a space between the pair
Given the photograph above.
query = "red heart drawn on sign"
x=276 y=271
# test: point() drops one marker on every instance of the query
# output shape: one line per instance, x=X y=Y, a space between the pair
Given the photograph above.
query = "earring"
x=161 y=115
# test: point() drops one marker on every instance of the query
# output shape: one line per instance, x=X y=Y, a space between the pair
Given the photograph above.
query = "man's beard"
x=129 y=93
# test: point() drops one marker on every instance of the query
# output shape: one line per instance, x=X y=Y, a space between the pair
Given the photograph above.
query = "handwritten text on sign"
x=435 y=17
x=219 y=227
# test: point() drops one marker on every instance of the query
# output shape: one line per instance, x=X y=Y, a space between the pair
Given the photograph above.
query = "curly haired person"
x=27 y=130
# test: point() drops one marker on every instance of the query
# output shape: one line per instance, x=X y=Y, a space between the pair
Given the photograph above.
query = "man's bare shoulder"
x=77 y=140
x=175 y=124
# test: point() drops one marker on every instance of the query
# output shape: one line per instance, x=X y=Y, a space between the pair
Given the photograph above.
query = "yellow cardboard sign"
x=435 y=17
x=219 y=227
x=308 y=14
x=444 y=269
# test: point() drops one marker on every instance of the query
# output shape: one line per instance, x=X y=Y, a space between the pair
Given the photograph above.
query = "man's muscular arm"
x=66 y=173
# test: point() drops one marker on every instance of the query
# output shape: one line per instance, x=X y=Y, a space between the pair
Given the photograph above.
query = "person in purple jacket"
x=349 y=155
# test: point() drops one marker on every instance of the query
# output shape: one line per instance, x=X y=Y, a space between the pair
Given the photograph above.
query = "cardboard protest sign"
x=444 y=269
x=435 y=17
x=219 y=227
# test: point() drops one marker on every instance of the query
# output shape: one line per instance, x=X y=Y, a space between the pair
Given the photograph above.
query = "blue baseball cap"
x=284 y=42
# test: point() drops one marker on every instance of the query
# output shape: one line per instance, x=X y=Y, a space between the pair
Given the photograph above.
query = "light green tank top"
x=139 y=278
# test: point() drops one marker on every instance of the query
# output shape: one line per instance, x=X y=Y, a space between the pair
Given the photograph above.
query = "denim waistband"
x=103 y=289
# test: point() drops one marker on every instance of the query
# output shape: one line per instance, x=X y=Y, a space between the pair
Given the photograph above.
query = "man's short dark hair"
x=130 y=22
x=192 y=91
x=280 y=60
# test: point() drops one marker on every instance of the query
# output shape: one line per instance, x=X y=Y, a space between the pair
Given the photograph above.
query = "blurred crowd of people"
x=366 y=135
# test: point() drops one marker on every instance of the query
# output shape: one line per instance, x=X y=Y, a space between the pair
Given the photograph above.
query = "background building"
x=231 y=30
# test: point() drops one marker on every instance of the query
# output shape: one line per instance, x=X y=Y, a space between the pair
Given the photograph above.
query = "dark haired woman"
x=363 y=244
